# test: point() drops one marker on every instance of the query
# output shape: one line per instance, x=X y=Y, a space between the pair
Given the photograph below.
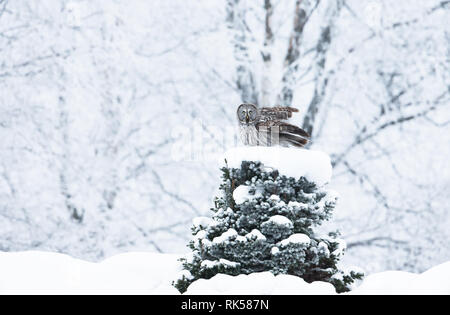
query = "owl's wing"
x=287 y=133
x=276 y=113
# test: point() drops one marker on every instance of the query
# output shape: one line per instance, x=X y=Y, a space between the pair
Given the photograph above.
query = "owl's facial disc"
x=247 y=113
x=251 y=113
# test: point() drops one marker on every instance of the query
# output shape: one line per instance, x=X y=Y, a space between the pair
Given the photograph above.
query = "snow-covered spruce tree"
x=265 y=218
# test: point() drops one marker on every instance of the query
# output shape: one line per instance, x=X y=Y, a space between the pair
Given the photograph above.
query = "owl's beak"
x=247 y=119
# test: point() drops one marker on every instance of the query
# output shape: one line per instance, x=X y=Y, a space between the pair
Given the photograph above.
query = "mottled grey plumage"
x=267 y=126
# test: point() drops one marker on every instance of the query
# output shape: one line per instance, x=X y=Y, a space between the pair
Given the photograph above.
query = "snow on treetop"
x=292 y=162
x=296 y=239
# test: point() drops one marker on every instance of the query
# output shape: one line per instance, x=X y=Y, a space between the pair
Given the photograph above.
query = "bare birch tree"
x=310 y=67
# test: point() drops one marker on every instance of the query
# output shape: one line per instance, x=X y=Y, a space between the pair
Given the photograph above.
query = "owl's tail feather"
x=292 y=135
x=293 y=139
x=288 y=128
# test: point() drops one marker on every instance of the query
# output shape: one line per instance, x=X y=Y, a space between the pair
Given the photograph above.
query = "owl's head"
x=247 y=114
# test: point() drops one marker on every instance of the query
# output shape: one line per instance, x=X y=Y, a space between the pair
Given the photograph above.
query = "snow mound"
x=292 y=162
x=36 y=272
x=153 y=273
x=258 y=283
x=433 y=281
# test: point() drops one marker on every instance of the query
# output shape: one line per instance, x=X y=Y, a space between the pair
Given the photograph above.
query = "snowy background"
x=113 y=113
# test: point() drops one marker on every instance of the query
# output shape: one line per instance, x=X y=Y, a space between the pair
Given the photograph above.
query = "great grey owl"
x=267 y=126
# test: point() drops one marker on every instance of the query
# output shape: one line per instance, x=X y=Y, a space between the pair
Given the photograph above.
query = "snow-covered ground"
x=152 y=273
x=36 y=272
